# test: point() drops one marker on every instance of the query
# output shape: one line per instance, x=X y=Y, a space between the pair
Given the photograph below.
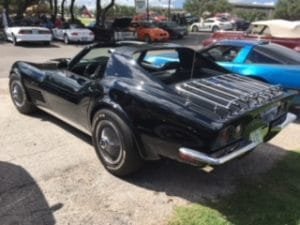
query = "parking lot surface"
x=49 y=172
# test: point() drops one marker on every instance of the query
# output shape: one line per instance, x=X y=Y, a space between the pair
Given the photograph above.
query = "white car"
x=73 y=33
x=212 y=24
x=18 y=34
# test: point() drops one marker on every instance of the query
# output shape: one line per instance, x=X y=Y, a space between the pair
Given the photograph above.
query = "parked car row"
x=118 y=30
x=219 y=22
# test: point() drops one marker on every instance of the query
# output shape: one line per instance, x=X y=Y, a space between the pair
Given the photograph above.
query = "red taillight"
x=74 y=34
x=25 y=32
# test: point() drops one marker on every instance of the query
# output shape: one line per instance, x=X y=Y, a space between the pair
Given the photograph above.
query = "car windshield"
x=148 y=25
x=279 y=53
x=170 y=24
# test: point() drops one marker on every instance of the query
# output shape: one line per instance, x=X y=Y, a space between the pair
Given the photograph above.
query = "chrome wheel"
x=110 y=144
x=18 y=94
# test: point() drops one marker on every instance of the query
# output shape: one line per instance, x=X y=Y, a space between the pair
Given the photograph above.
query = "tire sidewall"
x=130 y=160
x=101 y=123
x=26 y=107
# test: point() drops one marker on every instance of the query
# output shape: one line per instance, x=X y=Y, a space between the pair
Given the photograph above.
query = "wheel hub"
x=110 y=145
x=17 y=94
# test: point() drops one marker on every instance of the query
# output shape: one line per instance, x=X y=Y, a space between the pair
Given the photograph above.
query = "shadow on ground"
x=243 y=191
x=37 y=45
x=21 y=199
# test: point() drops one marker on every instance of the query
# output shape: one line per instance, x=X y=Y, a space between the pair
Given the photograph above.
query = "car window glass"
x=159 y=59
x=279 y=54
x=94 y=54
x=258 y=57
x=223 y=53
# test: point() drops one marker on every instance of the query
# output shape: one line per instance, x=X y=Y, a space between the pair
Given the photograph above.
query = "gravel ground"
x=49 y=173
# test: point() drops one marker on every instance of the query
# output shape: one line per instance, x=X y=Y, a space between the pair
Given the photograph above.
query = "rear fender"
x=106 y=103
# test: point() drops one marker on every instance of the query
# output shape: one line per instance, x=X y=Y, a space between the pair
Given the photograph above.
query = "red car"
x=281 y=32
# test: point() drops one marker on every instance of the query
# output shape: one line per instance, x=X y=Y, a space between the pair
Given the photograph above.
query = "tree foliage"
x=251 y=15
x=288 y=9
x=198 y=7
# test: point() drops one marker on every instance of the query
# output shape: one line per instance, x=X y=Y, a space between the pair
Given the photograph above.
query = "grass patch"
x=86 y=21
x=272 y=199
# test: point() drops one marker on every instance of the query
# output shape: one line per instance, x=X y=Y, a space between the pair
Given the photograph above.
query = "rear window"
x=273 y=53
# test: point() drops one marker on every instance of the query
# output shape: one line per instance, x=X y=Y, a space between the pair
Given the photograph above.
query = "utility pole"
x=147 y=10
x=169 y=10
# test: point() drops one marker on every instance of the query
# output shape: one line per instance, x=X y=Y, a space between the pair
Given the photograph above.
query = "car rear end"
x=33 y=34
x=251 y=113
x=81 y=35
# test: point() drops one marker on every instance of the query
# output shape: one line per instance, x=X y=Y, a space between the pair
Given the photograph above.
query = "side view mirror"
x=63 y=64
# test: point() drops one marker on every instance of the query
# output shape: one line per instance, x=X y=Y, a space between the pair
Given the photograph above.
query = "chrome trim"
x=204 y=158
x=64 y=119
x=290 y=117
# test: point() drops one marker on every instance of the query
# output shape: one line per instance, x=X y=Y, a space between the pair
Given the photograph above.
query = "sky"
x=174 y=3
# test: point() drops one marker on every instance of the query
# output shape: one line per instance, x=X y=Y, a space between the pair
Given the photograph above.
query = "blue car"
x=268 y=62
x=261 y=60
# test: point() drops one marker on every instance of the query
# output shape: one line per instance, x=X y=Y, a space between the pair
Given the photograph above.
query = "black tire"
x=47 y=43
x=115 y=144
x=19 y=96
x=147 y=39
x=215 y=29
x=195 y=29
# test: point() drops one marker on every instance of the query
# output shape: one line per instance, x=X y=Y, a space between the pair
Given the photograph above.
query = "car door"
x=68 y=95
x=68 y=91
x=208 y=24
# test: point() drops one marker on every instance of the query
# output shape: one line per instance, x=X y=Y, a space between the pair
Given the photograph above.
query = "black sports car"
x=175 y=31
x=189 y=109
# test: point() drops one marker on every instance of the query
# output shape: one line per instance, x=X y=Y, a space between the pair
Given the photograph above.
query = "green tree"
x=72 y=10
x=251 y=15
x=287 y=9
x=198 y=7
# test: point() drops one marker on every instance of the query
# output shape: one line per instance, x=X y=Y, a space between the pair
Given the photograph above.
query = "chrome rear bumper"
x=195 y=157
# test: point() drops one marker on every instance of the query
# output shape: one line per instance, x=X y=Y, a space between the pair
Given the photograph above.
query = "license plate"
x=35 y=31
x=256 y=136
x=84 y=39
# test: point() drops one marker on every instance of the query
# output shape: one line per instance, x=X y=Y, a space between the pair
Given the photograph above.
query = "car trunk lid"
x=228 y=96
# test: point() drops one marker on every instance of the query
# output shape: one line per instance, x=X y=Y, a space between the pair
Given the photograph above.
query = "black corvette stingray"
x=188 y=109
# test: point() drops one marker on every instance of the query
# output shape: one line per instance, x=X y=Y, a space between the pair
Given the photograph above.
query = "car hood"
x=157 y=30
